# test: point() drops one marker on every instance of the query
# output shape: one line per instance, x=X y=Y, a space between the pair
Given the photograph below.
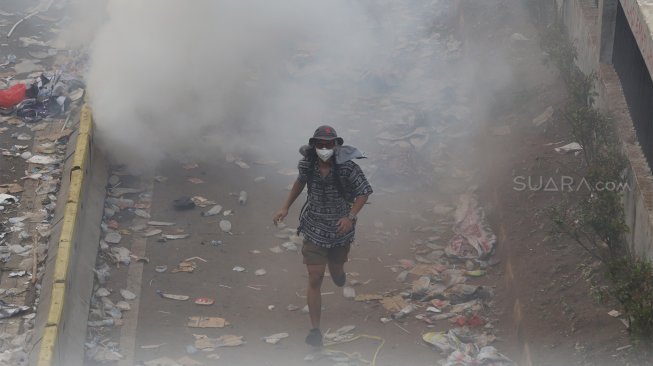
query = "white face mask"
x=324 y=154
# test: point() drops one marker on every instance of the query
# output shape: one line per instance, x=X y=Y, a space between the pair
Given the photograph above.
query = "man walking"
x=337 y=191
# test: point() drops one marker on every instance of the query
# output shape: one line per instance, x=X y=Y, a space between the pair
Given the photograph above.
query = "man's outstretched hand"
x=279 y=216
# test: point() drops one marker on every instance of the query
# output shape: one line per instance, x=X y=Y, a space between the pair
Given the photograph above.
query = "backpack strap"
x=309 y=184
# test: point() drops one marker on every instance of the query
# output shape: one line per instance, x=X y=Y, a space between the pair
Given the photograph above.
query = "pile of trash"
x=25 y=232
x=438 y=292
x=466 y=349
x=473 y=239
x=43 y=96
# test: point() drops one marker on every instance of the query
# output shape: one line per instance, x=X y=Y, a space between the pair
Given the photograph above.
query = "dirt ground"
x=544 y=311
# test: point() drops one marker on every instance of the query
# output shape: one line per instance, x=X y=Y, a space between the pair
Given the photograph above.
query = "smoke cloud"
x=196 y=80
x=192 y=78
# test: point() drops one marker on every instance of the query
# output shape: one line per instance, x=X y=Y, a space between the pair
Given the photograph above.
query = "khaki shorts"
x=314 y=254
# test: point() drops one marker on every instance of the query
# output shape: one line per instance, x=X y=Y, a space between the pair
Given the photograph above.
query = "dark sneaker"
x=314 y=338
x=340 y=281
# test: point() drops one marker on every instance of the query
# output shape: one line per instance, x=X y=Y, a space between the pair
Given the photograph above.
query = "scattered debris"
x=225 y=225
x=242 y=198
x=162 y=361
x=9 y=310
x=127 y=295
x=12 y=188
x=185 y=266
x=101 y=292
x=368 y=297
x=241 y=164
x=518 y=37
x=152 y=232
x=572 y=147
x=183 y=203
x=465 y=348
x=174 y=237
x=42 y=160
x=203 y=342
x=172 y=296
x=275 y=338
x=213 y=211
x=206 y=322
x=543 y=117
x=7 y=199
x=204 y=301
x=160 y=223
x=614 y=313
x=152 y=346
x=113 y=237
x=393 y=304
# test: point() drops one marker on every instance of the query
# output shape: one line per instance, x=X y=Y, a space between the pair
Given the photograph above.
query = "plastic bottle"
x=212 y=211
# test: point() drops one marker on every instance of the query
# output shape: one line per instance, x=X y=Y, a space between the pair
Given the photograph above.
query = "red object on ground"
x=475 y=321
x=12 y=96
x=204 y=301
x=460 y=320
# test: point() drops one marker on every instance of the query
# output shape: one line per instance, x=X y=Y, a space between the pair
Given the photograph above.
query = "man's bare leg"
x=314 y=301
x=337 y=272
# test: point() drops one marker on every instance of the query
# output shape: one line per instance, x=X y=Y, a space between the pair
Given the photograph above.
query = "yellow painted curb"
x=62 y=262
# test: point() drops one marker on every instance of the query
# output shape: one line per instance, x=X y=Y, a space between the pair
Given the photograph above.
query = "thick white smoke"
x=193 y=78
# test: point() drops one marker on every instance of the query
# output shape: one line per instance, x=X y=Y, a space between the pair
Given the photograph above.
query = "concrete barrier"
x=68 y=280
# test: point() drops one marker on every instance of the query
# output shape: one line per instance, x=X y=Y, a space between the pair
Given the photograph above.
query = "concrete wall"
x=581 y=17
x=592 y=30
x=68 y=282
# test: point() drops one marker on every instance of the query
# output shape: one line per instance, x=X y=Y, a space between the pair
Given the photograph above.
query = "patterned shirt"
x=326 y=205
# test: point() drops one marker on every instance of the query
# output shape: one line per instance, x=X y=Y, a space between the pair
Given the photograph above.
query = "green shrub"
x=633 y=288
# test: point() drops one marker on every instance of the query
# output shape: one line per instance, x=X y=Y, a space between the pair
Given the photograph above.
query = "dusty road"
x=243 y=298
